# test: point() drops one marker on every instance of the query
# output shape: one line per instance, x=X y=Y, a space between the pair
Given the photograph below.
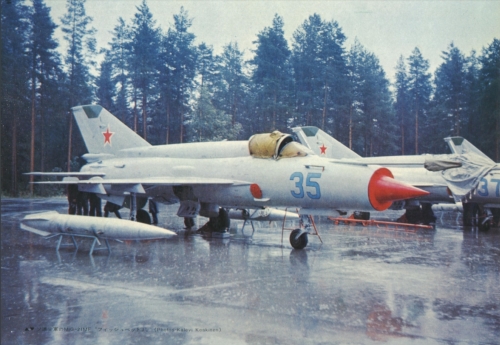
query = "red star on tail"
x=323 y=149
x=107 y=136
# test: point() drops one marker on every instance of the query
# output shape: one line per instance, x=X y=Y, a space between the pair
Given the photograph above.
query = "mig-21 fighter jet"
x=268 y=170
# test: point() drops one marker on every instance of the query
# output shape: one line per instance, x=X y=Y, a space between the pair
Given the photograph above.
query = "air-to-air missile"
x=265 y=214
x=52 y=224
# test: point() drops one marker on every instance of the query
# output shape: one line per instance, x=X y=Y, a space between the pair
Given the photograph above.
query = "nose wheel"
x=299 y=239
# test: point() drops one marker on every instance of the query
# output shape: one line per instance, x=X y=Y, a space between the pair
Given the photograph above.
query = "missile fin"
x=36 y=231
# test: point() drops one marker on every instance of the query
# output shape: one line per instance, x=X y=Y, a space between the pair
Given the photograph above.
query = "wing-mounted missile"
x=458 y=207
x=263 y=214
x=54 y=223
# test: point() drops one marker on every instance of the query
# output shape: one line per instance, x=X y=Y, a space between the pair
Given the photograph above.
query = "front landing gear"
x=299 y=239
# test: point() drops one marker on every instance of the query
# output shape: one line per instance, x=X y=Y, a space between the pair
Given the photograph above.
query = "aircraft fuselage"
x=305 y=182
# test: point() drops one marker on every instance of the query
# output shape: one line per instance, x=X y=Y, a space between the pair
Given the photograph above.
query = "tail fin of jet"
x=460 y=146
x=323 y=144
x=102 y=132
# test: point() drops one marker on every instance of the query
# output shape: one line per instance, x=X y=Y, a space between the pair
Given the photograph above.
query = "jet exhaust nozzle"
x=383 y=189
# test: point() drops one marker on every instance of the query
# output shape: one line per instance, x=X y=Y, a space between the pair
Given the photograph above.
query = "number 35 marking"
x=298 y=177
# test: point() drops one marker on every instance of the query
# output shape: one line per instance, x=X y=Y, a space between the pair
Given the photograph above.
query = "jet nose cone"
x=383 y=189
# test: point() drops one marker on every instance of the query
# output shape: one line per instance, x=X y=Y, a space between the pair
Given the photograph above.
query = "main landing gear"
x=421 y=214
x=477 y=214
x=143 y=216
x=137 y=213
x=188 y=222
x=219 y=224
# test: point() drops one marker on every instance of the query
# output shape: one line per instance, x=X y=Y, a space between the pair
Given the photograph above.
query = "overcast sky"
x=387 y=28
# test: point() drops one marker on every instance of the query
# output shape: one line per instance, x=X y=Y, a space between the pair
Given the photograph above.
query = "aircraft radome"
x=277 y=172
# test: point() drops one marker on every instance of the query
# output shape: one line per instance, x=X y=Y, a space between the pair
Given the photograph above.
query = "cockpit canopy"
x=276 y=145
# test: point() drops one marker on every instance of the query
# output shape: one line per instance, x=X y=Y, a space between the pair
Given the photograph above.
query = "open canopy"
x=276 y=145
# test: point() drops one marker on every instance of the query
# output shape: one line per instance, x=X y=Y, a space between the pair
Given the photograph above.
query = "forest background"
x=170 y=90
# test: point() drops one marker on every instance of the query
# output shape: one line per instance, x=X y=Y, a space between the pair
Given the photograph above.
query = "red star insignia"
x=323 y=149
x=107 y=136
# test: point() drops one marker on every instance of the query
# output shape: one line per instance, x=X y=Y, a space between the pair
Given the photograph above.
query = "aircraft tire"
x=188 y=222
x=414 y=215
x=220 y=223
x=428 y=216
x=300 y=242
x=467 y=214
x=496 y=216
x=484 y=226
x=143 y=216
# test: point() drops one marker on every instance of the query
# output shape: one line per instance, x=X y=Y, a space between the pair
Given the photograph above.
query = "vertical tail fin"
x=460 y=146
x=103 y=132
x=323 y=144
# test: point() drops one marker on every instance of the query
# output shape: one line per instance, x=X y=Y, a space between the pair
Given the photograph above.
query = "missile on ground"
x=52 y=223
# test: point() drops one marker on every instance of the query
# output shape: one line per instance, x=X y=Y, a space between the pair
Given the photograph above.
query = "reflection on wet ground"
x=362 y=286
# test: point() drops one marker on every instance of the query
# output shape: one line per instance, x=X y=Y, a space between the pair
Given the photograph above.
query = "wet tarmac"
x=361 y=286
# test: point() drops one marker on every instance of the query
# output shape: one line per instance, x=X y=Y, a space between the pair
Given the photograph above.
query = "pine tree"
x=14 y=88
x=450 y=97
x=79 y=58
x=105 y=90
x=272 y=77
x=355 y=83
x=179 y=62
x=207 y=123
x=44 y=69
x=402 y=103
x=206 y=65
x=231 y=92
x=374 y=125
x=472 y=66
x=118 y=56
x=320 y=71
x=488 y=121
x=145 y=40
x=420 y=91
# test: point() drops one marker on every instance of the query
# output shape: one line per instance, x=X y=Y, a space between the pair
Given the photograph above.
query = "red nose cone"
x=383 y=189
